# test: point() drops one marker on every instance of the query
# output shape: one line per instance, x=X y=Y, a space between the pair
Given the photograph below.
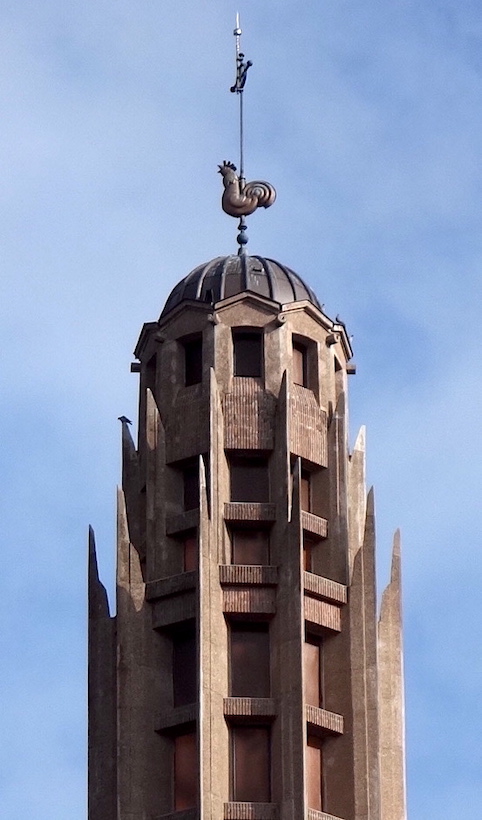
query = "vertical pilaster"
x=213 y=731
x=102 y=697
x=287 y=631
x=363 y=664
x=138 y=763
x=391 y=695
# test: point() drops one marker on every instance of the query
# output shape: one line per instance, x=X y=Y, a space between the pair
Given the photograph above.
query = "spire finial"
x=241 y=199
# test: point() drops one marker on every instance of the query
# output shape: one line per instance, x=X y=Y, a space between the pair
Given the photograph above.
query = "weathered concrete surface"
x=391 y=695
x=102 y=698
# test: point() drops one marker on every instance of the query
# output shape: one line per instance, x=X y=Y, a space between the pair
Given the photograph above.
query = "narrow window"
x=249 y=479
x=312 y=659
x=248 y=353
x=251 y=764
x=193 y=361
x=309 y=544
x=150 y=376
x=186 y=769
x=191 y=486
x=300 y=364
x=250 y=547
x=184 y=665
x=190 y=551
x=338 y=378
x=305 y=490
x=314 y=774
x=250 y=660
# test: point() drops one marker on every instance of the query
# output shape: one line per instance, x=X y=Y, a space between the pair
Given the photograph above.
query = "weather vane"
x=239 y=197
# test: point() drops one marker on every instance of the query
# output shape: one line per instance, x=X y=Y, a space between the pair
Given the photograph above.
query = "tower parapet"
x=245 y=648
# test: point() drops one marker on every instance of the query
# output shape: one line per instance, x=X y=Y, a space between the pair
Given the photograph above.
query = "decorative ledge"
x=261 y=601
x=319 y=815
x=248 y=574
x=314 y=524
x=321 y=721
x=320 y=613
x=174 y=609
x=321 y=587
x=244 y=511
x=189 y=814
x=176 y=717
x=251 y=811
x=250 y=707
x=181 y=522
x=171 y=585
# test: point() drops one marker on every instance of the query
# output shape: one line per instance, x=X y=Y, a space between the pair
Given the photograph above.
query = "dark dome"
x=228 y=275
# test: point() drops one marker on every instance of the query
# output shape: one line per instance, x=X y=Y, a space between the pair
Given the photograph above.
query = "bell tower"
x=245 y=675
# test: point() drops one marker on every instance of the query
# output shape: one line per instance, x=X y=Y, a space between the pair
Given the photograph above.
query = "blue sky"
x=367 y=118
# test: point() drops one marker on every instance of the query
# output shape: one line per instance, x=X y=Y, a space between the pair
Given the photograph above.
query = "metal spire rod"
x=238 y=88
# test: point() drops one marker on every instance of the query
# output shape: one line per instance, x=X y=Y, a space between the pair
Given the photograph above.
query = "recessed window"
x=150 y=374
x=300 y=364
x=251 y=764
x=309 y=544
x=193 y=361
x=190 y=474
x=189 y=544
x=314 y=777
x=184 y=665
x=305 y=490
x=312 y=660
x=186 y=768
x=249 y=479
x=249 y=660
x=248 y=353
x=250 y=547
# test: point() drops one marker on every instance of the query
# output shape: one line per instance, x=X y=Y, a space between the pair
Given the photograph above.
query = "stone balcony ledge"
x=320 y=815
x=314 y=524
x=187 y=814
x=179 y=716
x=323 y=722
x=172 y=585
x=249 y=511
x=324 y=588
x=251 y=708
x=250 y=811
x=248 y=574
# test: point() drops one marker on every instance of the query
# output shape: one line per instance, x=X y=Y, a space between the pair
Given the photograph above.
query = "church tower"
x=244 y=675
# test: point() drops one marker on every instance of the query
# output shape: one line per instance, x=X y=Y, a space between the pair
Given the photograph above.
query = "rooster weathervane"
x=241 y=198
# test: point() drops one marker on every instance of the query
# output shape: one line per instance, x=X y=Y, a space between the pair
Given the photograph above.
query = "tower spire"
x=240 y=198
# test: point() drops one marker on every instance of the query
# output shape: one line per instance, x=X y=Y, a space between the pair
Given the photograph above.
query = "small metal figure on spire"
x=241 y=198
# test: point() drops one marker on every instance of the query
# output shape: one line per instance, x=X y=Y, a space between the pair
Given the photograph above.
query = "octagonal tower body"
x=240 y=678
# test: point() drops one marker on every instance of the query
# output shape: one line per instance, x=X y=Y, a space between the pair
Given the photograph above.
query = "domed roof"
x=229 y=275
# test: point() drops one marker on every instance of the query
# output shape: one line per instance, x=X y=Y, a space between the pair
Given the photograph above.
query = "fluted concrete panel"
x=324 y=720
x=248 y=416
x=320 y=587
x=250 y=707
x=243 y=511
x=320 y=815
x=248 y=574
x=320 y=613
x=314 y=524
x=250 y=811
x=308 y=426
x=254 y=601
